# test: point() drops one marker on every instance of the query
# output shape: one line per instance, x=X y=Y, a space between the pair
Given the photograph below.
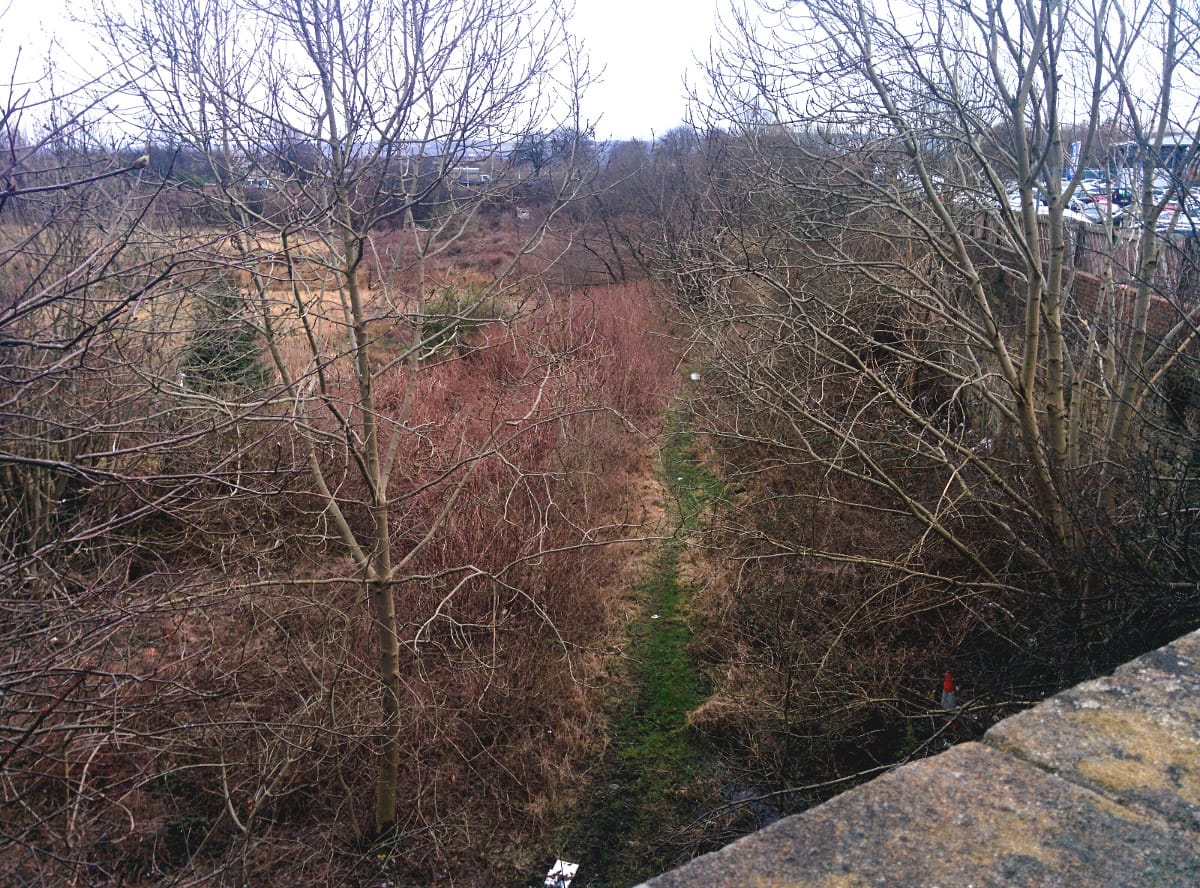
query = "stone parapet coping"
x=1097 y=786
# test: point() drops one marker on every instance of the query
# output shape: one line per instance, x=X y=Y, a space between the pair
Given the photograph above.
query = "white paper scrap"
x=561 y=874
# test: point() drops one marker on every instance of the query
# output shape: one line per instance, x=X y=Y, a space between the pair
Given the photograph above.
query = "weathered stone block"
x=972 y=816
x=1133 y=736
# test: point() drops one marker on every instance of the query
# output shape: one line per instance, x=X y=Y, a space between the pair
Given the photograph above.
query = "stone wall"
x=1097 y=786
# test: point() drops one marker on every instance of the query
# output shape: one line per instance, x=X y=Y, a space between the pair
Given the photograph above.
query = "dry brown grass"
x=215 y=716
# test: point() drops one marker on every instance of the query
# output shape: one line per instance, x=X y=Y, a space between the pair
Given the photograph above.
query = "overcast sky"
x=646 y=47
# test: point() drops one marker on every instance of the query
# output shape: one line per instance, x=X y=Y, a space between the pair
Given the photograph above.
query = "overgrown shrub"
x=223 y=726
x=224 y=351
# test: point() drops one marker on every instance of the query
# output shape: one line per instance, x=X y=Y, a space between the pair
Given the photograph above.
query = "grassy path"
x=654 y=776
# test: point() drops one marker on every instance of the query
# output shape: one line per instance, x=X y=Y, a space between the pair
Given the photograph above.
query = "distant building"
x=1177 y=158
x=470 y=175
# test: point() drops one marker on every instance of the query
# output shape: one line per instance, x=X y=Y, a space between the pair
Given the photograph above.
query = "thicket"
x=955 y=426
x=193 y=694
x=314 y=481
x=314 y=491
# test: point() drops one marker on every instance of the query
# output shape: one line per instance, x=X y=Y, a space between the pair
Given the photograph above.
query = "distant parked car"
x=1180 y=218
x=1100 y=203
x=1072 y=212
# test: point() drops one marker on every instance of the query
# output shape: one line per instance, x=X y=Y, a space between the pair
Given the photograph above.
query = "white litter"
x=654 y=616
x=695 y=377
x=561 y=874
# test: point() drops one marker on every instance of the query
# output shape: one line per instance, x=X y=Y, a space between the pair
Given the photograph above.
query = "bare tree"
x=940 y=385
x=382 y=106
x=90 y=458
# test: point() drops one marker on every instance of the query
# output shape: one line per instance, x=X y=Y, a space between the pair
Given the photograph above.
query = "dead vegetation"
x=190 y=696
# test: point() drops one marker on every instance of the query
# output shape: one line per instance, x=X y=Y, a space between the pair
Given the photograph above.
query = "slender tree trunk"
x=383 y=609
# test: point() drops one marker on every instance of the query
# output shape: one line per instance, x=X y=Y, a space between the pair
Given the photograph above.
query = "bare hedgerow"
x=240 y=668
x=322 y=621
x=949 y=413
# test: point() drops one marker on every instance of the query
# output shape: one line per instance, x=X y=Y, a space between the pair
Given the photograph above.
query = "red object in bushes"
x=948 y=701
